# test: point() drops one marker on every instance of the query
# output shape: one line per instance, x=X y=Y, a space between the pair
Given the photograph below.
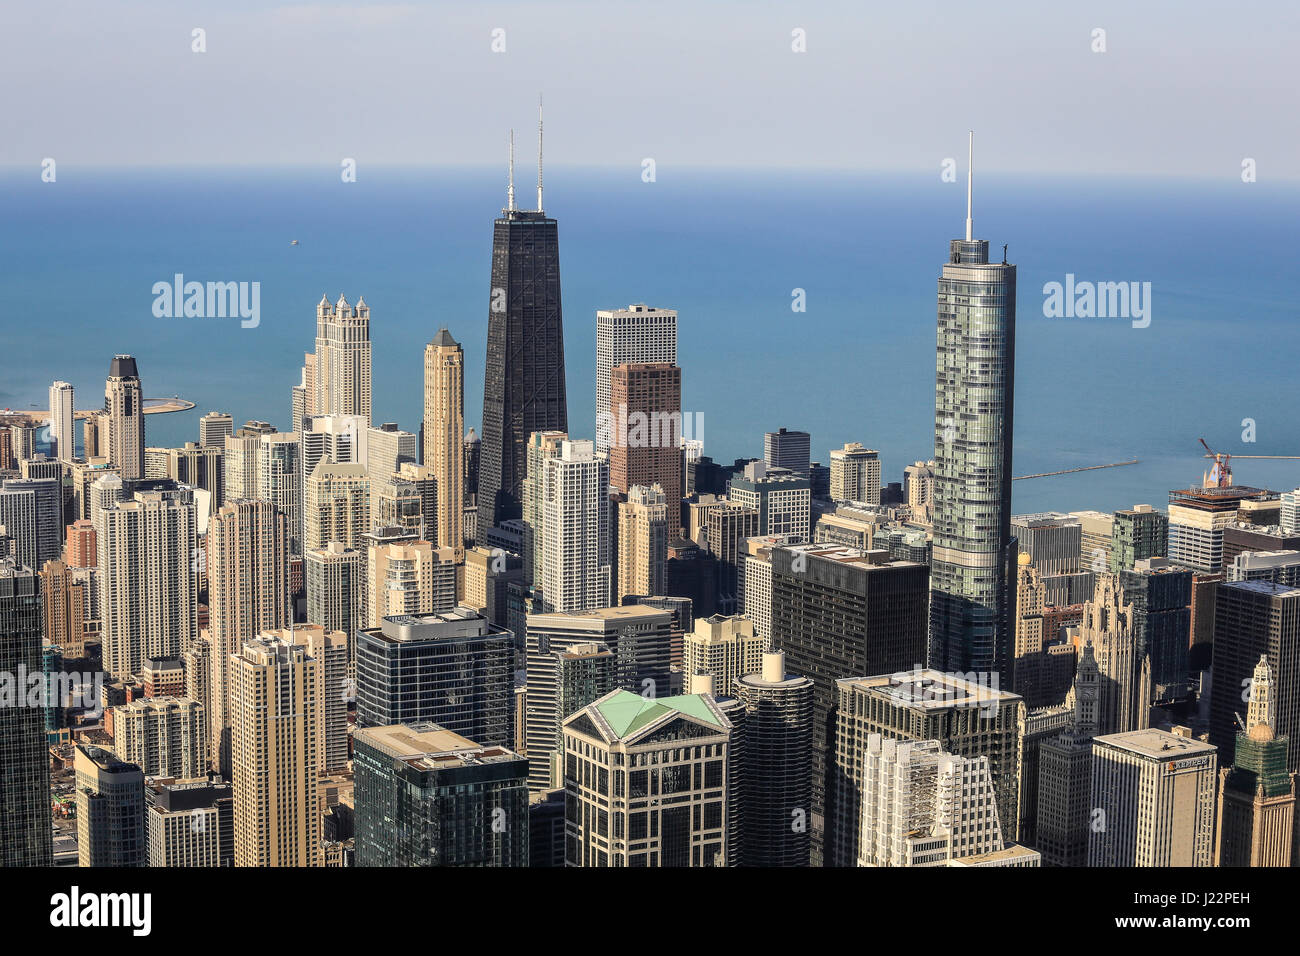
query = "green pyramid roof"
x=627 y=713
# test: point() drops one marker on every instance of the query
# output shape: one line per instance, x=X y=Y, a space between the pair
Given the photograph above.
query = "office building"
x=341 y=380
x=781 y=498
x=728 y=528
x=426 y=796
x=562 y=679
x=639 y=334
x=25 y=780
x=786 y=449
x=523 y=382
x=1197 y=520
x=645 y=445
x=1097 y=531
x=189 y=822
x=47 y=505
x=1064 y=808
x=455 y=669
x=634 y=795
x=1280 y=567
x=110 y=810
x=1155 y=793
x=1139 y=533
x=214 y=428
x=1051 y=539
x=968 y=718
x=1160 y=596
x=855 y=474
x=1257 y=795
x=1124 y=702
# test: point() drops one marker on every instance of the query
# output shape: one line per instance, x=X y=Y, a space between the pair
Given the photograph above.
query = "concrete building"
x=279 y=481
x=63 y=441
x=728 y=528
x=122 y=422
x=1155 y=793
x=1198 y=518
x=1279 y=567
x=1097 y=531
x=444 y=436
x=781 y=498
x=214 y=428
x=966 y=717
x=163 y=736
x=1064 y=808
x=426 y=796
x=336 y=589
x=634 y=795
x=645 y=448
x=562 y=679
x=575 y=513
x=336 y=505
x=1139 y=533
x=341 y=380
x=855 y=474
x=1051 y=539
x=643 y=529
x=719 y=651
x=189 y=822
x=1125 y=698
x=541 y=446
x=276 y=700
x=791 y=450
x=410 y=577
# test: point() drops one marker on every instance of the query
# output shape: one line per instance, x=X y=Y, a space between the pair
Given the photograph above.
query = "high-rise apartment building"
x=279 y=481
x=46 y=506
x=275 y=701
x=189 y=823
x=973 y=565
x=63 y=441
x=336 y=587
x=444 y=431
x=523 y=382
x=541 y=445
x=645 y=444
x=728 y=528
x=68 y=600
x=1160 y=596
x=634 y=795
x=455 y=669
x=1153 y=791
x=576 y=544
x=1257 y=795
x=122 y=421
x=336 y=505
x=248 y=593
x=636 y=335
x=330 y=650
x=426 y=796
x=855 y=474
x=148 y=561
x=643 y=529
x=562 y=680
x=719 y=651
x=341 y=380
x=163 y=736
x=409 y=577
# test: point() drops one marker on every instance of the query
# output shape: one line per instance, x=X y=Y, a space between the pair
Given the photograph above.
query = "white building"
x=639 y=333
x=855 y=474
x=63 y=442
x=575 y=529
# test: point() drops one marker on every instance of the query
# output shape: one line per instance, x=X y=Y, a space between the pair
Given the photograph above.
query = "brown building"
x=646 y=408
x=67 y=606
x=79 y=548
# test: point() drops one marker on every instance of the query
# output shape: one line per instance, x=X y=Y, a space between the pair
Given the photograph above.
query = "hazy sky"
x=1184 y=88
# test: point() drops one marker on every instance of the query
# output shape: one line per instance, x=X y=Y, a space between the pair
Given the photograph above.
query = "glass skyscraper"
x=972 y=573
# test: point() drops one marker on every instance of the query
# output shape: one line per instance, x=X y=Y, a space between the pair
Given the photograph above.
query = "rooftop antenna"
x=539 y=152
x=510 y=192
x=970 y=183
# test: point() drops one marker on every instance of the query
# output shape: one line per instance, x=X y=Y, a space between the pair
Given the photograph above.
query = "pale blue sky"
x=1184 y=89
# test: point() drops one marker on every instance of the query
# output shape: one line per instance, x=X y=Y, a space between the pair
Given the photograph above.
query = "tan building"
x=65 y=598
x=330 y=650
x=1029 y=658
x=1153 y=794
x=248 y=592
x=276 y=711
x=720 y=650
x=336 y=505
x=444 y=436
x=163 y=736
x=1125 y=696
x=239 y=461
x=413 y=577
x=645 y=448
x=855 y=474
x=541 y=446
x=121 y=432
x=643 y=530
x=340 y=376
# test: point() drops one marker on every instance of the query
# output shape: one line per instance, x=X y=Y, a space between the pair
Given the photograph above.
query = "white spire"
x=970 y=185
x=510 y=192
x=539 y=152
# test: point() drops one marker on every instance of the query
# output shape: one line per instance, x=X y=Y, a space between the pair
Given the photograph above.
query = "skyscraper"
x=279 y=481
x=214 y=427
x=645 y=446
x=642 y=542
x=123 y=418
x=855 y=474
x=973 y=567
x=639 y=333
x=110 y=810
x=444 y=430
x=336 y=505
x=575 y=512
x=786 y=449
x=163 y=736
x=341 y=385
x=523 y=386
x=248 y=593
x=63 y=442
x=24 y=758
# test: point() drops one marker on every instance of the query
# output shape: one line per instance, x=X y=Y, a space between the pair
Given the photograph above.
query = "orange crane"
x=1220 y=475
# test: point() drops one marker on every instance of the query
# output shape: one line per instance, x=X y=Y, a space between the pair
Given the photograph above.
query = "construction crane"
x=1220 y=475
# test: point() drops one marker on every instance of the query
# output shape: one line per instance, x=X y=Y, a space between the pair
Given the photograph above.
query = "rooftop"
x=1157 y=743
x=626 y=712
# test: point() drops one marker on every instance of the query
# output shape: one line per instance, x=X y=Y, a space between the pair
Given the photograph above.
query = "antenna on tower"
x=510 y=192
x=539 y=152
x=970 y=184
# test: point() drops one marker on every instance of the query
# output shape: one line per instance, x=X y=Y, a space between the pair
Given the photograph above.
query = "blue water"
x=81 y=256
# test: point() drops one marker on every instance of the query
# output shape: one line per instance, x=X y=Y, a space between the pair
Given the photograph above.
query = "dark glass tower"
x=523 y=386
x=972 y=576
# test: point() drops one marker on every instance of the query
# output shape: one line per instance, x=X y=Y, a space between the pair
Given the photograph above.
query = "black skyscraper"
x=523 y=388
